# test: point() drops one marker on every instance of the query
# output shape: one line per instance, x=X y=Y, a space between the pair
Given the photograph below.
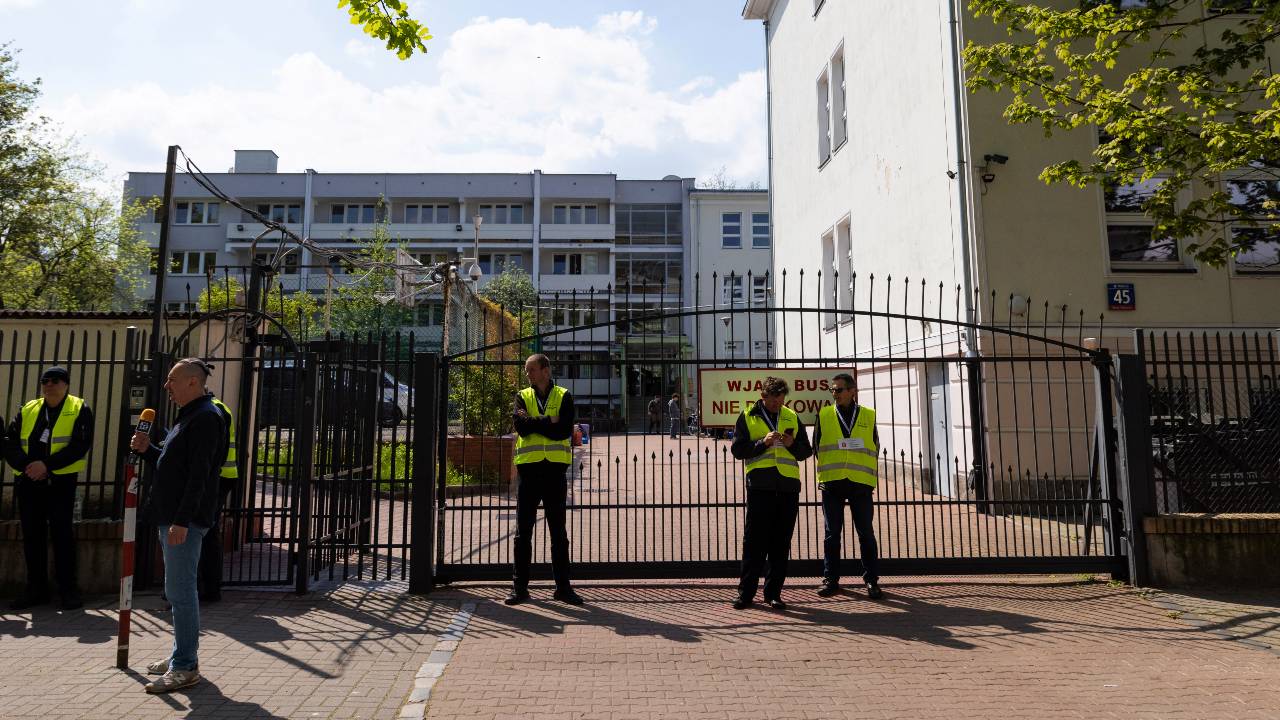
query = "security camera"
x=996 y=158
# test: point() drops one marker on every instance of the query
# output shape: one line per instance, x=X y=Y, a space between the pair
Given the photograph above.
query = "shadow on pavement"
x=205 y=700
x=87 y=627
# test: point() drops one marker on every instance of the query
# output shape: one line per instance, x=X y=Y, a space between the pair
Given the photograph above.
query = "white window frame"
x=360 y=210
x=732 y=290
x=839 y=109
x=1231 y=228
x=209 y=212
x=760 y=289
x=587 y=263
x=283 y=215
x=827 y=300
x=844 y=264
x=730 y=240
x=192 y=263
x=824 y=116
x=563 y=213
x=289 y=267
x=1115 y=219
x=420 y=210
x=761 y=237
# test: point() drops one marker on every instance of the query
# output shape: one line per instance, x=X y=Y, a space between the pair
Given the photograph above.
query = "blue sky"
x=641 y=89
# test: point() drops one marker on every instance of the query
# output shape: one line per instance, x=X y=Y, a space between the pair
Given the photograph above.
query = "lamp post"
x=474 y=271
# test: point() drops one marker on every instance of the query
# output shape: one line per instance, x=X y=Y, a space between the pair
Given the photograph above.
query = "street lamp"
x=728 y=324
x=474 y=271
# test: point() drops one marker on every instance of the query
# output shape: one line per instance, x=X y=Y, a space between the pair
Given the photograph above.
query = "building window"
x=281 y=212
x=760 y=230
x=843 y=279
x=1129 y=239
x=824 y=117
x=192 y=263
x=288 y=267
x=761 y=348
x=502 y=214
x=759 y=289
x=427 y=214
x=179 y=307
x=827 y=301
x=575 y=264
x=195 y=213
x=353 y=214
x=430 y=314
x=433 y=258
x=498 y=263
x=731 y=291
x=731 y=230
x=733 y=348
x=648 y=225
x=575 y=215
x=839 y=113
x=1256 y=197
x=648 y=273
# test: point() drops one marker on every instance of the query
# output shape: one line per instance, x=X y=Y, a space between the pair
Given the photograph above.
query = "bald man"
x=181 y=503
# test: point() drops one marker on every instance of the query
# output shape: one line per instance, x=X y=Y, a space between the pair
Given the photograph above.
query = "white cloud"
x=18 y=4
x=510 y=96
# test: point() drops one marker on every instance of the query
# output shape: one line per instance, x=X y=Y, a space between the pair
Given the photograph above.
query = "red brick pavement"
x=950 y=648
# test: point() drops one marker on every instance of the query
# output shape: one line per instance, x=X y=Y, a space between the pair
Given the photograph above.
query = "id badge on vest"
x=44 y=436
x=852 y=444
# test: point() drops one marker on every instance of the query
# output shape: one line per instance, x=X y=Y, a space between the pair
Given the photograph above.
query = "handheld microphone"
x=145 y=420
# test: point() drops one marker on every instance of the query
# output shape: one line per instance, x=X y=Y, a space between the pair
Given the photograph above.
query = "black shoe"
x=873 y=591
x=777 y=604
x=516 y=597
x=828 y=589
x=71 y=601
x=28 y=600
x=742 y=603
x=567 y=595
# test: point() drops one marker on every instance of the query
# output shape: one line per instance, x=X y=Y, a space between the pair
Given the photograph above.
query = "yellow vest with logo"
x=776 y=456
x=534 y=448
x=228 y=465
x=858 y=465
x=59 y=434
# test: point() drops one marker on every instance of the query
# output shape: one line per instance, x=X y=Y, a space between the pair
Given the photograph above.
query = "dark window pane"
x=182 y=213
x=411 y=214
x=353 y=214
x=1128 y=198
x=1133 y=243
x=366 y=214
x=294 y=215
x=1264 y=253
x=197 y=213
x=211 y=213
x=593 y=215
x=517 y=214
x=335 y=215
x=1252 y=196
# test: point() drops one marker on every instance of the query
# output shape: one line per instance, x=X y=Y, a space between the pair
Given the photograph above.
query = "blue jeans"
x=859 y=497
x=180 y=569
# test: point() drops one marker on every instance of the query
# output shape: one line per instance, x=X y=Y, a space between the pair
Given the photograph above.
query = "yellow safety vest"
x=534 y=448
x=59 y=434
x=776 y=456
x=228 y=465
x=856 y=464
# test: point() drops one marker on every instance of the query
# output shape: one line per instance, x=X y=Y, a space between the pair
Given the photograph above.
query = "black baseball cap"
x=55 y=372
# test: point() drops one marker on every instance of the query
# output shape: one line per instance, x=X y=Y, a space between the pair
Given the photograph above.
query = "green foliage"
x=62 y=245
x=296 y=311
x=357 y=309
x=482 y=395
x=389 y=20
x=513 y=291
x=1178 y=94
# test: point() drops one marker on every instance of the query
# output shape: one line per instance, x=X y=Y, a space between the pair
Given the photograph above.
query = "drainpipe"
x=977 y=475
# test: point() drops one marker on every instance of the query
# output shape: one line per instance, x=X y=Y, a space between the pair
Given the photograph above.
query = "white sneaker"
x=173 y=680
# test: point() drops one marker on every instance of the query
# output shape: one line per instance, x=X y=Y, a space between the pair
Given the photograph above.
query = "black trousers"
x=859 y=497
x=44 y=511
x=209 y=577
x=541 y=482
x=655 y=424
x=766 y=538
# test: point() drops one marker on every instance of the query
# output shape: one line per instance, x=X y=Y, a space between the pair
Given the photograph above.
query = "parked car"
x=278 y=383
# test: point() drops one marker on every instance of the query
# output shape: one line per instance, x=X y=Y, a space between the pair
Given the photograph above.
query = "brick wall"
x=1206 y=549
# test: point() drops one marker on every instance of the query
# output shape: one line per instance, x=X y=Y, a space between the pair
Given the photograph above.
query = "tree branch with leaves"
x=389 y=21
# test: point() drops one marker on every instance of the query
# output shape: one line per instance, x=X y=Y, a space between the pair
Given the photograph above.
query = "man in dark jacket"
x=181 y=501
x=771 y=442
x=46 y=445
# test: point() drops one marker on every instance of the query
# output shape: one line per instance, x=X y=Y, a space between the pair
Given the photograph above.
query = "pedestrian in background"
x=46 y=445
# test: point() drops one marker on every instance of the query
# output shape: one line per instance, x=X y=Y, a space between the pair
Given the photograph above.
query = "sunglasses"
x=837 y=391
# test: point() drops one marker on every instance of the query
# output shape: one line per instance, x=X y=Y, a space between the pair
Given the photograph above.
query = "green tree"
x=62 y=245
x=1181 y=92
x=512 y=290
x=482 y=395
x=360 y=305
x=296 y=311
x=389 y=20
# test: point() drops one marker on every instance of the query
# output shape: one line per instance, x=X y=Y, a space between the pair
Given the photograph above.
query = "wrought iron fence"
x=1214 y=408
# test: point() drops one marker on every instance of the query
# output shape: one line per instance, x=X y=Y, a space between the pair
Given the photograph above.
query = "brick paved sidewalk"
x=349 y=653
x=1003 y=647
x=936 y=647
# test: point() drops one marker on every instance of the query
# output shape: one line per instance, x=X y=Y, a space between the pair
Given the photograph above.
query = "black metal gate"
x=992 y=456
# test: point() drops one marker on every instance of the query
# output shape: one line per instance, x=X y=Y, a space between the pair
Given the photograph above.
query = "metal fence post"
x=1136 y=491
x=304 y=465
x=1105 y=424
x=426 y=379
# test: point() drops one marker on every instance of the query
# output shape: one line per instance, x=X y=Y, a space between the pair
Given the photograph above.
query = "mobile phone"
x=790 y=431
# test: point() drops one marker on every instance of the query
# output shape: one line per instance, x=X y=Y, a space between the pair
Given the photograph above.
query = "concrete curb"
x=425 y=680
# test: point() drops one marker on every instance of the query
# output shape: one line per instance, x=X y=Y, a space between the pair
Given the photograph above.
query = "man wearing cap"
x=181 y=502
x=46 y=446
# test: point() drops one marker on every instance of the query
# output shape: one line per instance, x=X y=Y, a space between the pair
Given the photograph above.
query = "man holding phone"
x=770 y=439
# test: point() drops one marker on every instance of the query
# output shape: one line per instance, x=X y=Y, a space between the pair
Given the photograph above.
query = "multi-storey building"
x=597 y=247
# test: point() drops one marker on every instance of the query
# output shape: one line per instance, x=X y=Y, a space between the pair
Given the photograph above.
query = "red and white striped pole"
x=127 y=546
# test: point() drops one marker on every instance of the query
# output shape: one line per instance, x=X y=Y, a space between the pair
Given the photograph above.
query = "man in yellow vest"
x=848 y=450
x=771 y=441
x=46 y=446
x=543 y=416
x=211 y=546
